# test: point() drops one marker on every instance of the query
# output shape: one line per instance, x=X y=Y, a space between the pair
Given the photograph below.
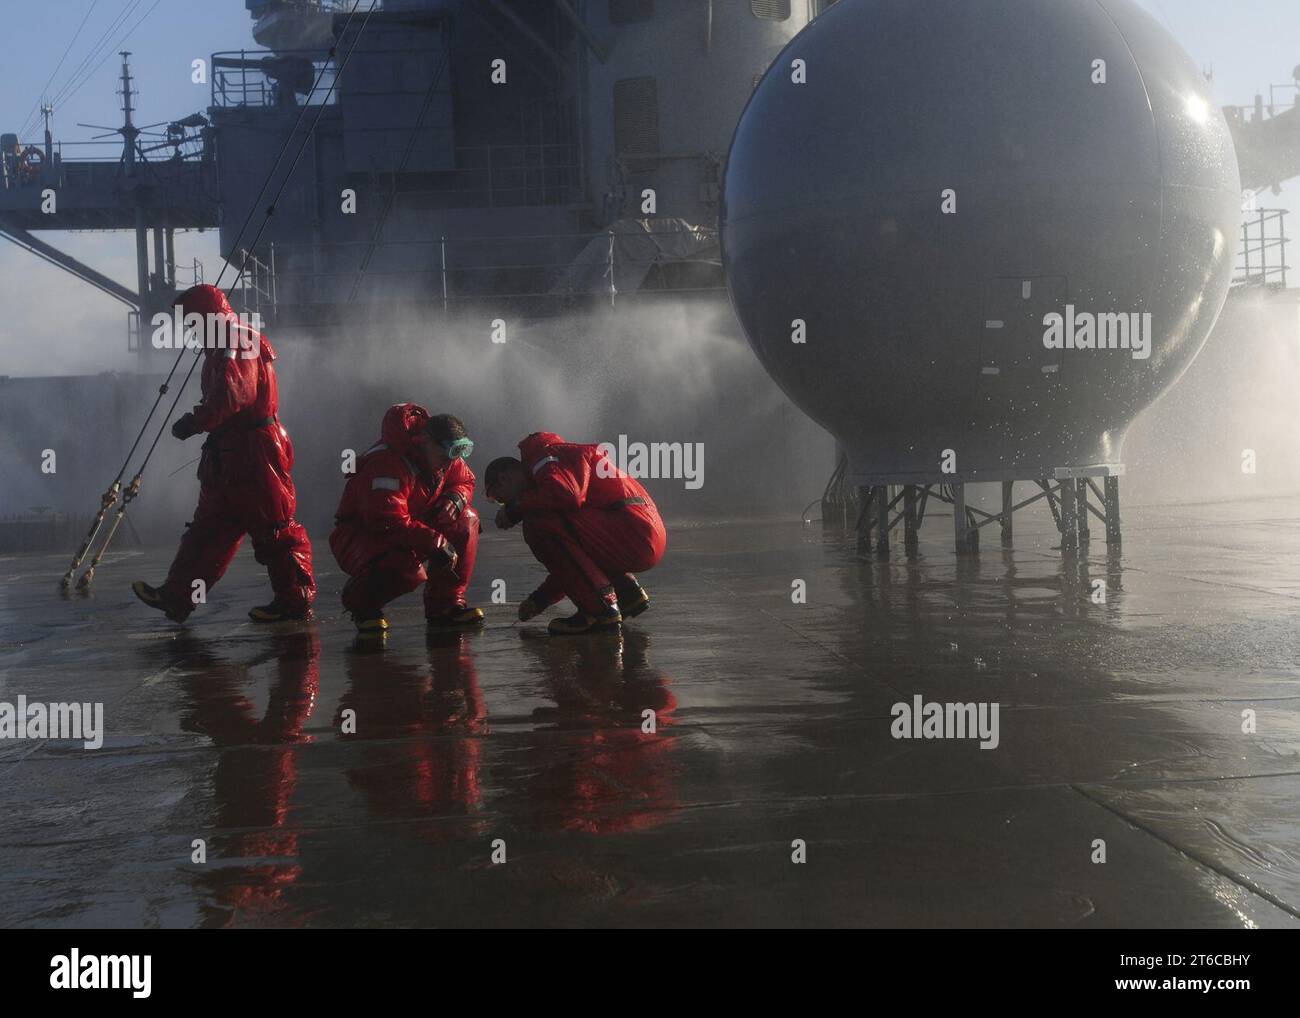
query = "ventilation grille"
x=636 y=116
x=770 y=10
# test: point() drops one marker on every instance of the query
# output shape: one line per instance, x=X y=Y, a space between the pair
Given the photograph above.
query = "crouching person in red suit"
x=590 y=524
x=245 y=481
x=406 y=519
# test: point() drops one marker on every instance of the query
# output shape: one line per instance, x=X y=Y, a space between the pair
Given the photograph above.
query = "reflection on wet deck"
x=335 y=785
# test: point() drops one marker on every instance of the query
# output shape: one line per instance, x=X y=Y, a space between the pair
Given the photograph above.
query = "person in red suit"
x=590 y=524
x=245 y=482
x=406 y=519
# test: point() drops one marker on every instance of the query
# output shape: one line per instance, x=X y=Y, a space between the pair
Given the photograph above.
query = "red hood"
x=206 y=299
x=403 y=427
x=531 y=447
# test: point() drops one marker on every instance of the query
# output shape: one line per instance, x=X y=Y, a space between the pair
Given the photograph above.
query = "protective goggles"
x=458 y=448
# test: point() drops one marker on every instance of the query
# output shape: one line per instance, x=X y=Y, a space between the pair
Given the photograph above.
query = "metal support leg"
x=1007 y=503
x=1069 y=519
x=170 y=245
x=882 y=521
x=960 y=529
x=864 y=521
x=159 y=280
x=1053 y=503
x=911 y=539
x=1111 y=490
x=1082 y=508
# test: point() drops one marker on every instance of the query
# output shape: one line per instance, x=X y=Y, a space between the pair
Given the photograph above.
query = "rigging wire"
x=30 y=123
x=113 y=49
x=128 y=8
x=252 y=210
x=110 y=497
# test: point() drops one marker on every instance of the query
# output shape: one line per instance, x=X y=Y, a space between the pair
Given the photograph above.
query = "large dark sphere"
x=925 y=330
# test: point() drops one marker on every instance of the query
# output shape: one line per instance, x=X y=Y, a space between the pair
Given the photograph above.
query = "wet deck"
x=1119 y=721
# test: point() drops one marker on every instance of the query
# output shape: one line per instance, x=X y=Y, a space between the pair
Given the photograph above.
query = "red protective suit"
x=586 y=521
x=395 y=514
x=244 y=472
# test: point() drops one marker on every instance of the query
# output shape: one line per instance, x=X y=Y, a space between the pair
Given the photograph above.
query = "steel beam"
x=82 y=271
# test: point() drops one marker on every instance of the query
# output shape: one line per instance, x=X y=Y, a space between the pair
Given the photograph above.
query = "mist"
x=656 y=371
x=653 y=370
x=659 y=371
x=1234 y=409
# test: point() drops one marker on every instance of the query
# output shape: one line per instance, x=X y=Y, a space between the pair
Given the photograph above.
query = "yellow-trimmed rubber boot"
x=153 y=597
x=371 y=625
x=582 y=622
x=633 y=599
x=459 y=616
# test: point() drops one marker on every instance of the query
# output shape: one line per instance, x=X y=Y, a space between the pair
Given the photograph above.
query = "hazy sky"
x=1247 y=43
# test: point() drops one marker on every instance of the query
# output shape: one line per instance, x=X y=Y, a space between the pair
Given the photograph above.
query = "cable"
x=244 y=226
x=111 y=495
x=128 y=8
x=93 y=51
x=266 y=219
x=828 y=493
x=30 y=122
x=113 y=49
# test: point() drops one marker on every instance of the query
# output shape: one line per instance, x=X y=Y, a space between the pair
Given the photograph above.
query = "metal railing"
x=257 y=78
x=1280 y=99
x=461 y=270
x=195 y=275
x=253 y=290
x=186 y=276
x=260 y=86
x=86 y=164
x=1262 y=260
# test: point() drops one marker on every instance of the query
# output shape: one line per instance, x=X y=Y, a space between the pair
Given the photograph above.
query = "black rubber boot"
x=276 y=612
x=609 y=619
x=632 y=597
x=530 y=607
x=153 y=597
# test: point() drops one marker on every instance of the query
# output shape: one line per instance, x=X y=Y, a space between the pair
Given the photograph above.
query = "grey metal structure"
x=469 y=187
x=920 y=228
x=472 y=186
x=161 y=181
x=1267 y=136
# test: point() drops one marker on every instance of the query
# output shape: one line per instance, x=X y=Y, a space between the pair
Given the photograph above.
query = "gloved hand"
x=443 y=557
x=528 y=608
x=447 y=510
x=184 y=427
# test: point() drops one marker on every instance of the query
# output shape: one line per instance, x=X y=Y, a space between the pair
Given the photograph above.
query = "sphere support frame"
x=1072 y=494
